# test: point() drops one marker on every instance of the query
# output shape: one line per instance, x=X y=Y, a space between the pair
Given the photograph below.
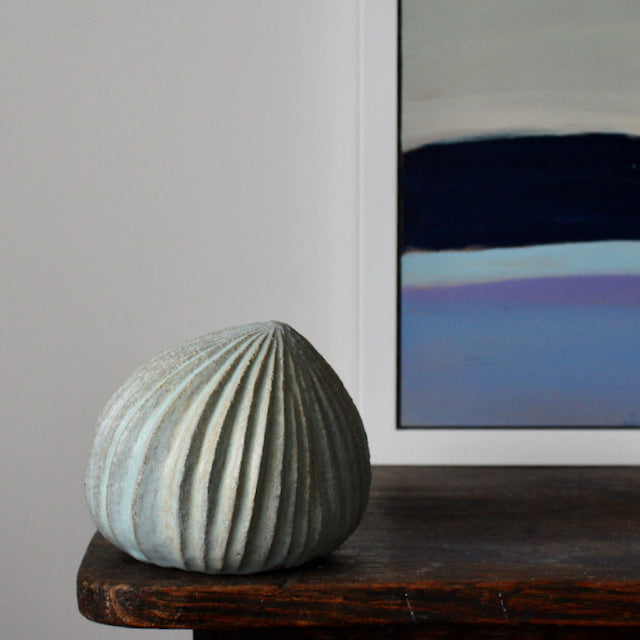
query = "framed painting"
x=500 y=231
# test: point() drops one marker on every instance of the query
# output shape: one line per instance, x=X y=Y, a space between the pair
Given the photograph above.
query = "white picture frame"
x=377 y=303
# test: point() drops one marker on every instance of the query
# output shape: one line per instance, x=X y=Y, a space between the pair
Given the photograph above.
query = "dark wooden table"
x=443 y=552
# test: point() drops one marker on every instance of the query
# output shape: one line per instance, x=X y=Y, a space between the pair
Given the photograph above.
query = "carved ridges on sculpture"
x=236 y=452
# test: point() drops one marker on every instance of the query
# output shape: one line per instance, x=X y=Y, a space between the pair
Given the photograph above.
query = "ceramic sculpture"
x=238 y=452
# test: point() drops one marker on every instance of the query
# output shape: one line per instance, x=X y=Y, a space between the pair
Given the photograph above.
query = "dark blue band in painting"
x=520 y=191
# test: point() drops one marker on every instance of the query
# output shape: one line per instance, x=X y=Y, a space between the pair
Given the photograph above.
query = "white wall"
x=167 y=169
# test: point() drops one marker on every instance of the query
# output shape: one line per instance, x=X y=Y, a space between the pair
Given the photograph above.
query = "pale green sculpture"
x=238 y=452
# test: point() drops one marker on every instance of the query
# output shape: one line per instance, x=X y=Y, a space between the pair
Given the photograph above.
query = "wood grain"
x=505 y=550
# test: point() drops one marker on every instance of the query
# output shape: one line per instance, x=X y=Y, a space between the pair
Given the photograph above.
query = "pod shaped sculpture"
x=238 y=452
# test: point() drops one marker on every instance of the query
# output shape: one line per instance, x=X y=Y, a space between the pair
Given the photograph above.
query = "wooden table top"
x=437 y=546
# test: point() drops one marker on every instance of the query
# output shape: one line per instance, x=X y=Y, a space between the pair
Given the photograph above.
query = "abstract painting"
x=519 y=214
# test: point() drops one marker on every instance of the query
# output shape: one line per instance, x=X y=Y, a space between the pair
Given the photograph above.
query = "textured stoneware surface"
x=237 y=452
